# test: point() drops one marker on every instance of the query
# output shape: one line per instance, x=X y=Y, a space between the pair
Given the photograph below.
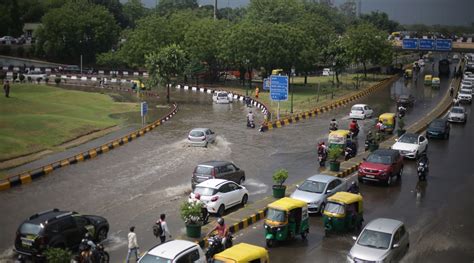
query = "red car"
x=381 y=166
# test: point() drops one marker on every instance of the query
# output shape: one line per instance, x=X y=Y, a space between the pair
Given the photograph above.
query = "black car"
x=438 y=128
x=217 y=170
x=55 y=228
x=405 y=100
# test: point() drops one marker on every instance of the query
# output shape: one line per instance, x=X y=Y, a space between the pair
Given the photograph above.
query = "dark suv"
x=381 y=166
x=56 y=228
x=218 y=170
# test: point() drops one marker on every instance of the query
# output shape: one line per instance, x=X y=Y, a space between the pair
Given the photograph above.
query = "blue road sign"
x=410 y=43
x=143 y=108
x=444 y=44
x=426 y=44
x=278 y=87
x=266 y=84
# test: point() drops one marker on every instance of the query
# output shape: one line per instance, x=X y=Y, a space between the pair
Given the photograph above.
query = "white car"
x=201 y=137
x=327 y=72
x=34 y=75
x=382 y=240
x=361 y=111
x=410 y=145
x=222 y=97
x=457 y=114
x=466 y=84
x=465 y=95
x=174 y=251
x=8 y=40
x=219 y=195
x=468 y=77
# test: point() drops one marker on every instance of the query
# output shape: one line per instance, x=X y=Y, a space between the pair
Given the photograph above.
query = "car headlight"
x=278 y=229
x=266 y=226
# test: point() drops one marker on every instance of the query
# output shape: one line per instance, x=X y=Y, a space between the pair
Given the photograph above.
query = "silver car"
x=382 y=240
x=201 y=137
x=457 y=114
x=316 y=189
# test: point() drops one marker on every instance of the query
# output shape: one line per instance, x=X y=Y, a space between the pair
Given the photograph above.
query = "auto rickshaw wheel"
x=304 y=234
x=270 y=242
x=326 y=232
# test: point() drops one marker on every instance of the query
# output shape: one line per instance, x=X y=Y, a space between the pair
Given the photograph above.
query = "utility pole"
x=215 y=9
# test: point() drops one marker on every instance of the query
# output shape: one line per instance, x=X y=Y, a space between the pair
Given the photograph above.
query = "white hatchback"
x=222 y=97
x=219 y=195
x=361 y=111
x=201 y=137
x=174 y=251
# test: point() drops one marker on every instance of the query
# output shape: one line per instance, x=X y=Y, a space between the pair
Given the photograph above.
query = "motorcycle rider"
x=222 y=231
x=401 y=111
x=354 y=188
x=87 y=249
x=322 y=152
x=250 y=118
x=354 y=127
x=333 y=125
x=423 y=165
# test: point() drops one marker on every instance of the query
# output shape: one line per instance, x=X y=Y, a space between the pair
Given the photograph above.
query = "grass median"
x=40 y=117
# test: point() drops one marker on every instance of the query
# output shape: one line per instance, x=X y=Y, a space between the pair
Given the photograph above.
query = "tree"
x=335 y=54
x=133 y=10
x=115 y=8
x=10 y=18
x=366 y=44
x=275 y=11
x=166 y=7
x=349 y=9
x=77 y=28
x=381 y=21
x=167 y=64
x=232 y=14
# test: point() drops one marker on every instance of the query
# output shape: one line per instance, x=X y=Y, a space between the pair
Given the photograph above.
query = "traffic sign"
x=266 y=84
x=426 y=44
x=410 y=43
x=278 y=87
x=444 y=44
x=143 y=108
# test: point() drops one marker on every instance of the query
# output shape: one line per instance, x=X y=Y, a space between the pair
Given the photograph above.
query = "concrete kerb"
x=30 y=175
x=347 y=168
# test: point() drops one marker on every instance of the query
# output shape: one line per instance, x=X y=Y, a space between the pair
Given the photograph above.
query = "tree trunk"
x=305 y=78
x=337 y=77
x=365 y=70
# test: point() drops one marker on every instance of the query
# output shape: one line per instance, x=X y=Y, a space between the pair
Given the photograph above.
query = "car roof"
x=385 y=225
x=385 y=152
x=410 y=135
x=44 y=216
x=214 y=163
x=359 y=105
x=200 y=129
x=171 y=249
x=322 y=178
x=213 y=183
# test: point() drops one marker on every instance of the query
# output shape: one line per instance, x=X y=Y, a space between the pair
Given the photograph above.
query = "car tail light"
x=214 y=198
x=213 y=173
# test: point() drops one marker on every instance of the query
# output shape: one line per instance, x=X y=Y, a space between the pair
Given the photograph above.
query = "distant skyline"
x=445 y=12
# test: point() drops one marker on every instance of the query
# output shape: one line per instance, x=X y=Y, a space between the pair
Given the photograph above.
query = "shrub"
x=46 y=79
x=58 y=255
x=334 y=153
x=57 y=80
x=20 y=51
x=280 y=176
x=3 y=75
x=22 y=77
x=15 y=76
x=191 y=212
x=29 y=78
x=38 y=80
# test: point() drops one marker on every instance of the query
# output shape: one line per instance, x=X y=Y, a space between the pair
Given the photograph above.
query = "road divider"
x=31 y=175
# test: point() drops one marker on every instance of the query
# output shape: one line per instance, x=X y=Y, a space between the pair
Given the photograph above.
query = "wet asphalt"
x=135 y=183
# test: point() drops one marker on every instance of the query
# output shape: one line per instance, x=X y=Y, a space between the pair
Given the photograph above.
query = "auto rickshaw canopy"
x=241 y=253
x=409 y=72
x=344 y=198
x=435 y=80
x=428 y=77
x=387 y=116
x=287 y=204
x=339 y=136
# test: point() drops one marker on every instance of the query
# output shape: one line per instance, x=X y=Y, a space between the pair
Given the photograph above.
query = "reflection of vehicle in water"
x=428 y=79
x=435 y=83
x=343 y=213
x=286 y=218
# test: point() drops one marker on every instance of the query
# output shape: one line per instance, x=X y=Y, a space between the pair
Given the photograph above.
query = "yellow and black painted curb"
x=29 y=176
x=334 y=105
x=244 y=223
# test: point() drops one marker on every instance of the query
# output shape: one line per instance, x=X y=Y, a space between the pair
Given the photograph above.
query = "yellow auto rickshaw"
x=138 y=84
x=435 y=83
x=343 y=213
x=242 y=253
x=277 y=71
x=428 y=79
x=408 y=73
x=286 y=218
x=339 y=139
x=388 y=121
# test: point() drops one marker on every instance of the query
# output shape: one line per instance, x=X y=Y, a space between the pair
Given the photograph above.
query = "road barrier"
x=29 y=176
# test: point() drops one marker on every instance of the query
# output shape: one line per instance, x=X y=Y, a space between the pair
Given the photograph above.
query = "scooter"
x=355 y=132
x=204 y=216
x=348 y=153
x=250 y=124
x=422 y=169
x=401 y=112
x=215 y=246
x=322 y=159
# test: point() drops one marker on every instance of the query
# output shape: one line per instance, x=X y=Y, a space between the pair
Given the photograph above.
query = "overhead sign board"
x=426 y=44
x=444 y=44
x=278 y=88
x=410 y=43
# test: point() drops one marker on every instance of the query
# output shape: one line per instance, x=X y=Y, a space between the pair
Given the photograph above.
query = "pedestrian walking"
x=132 y=244
x=451 y=91
x=6 y=88
x=164 y=228
x=455 y=101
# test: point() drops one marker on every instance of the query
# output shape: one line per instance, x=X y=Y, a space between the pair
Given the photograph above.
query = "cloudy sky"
x=448 y=12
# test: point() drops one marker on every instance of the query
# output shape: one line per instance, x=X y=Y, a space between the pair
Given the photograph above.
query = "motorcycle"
x=422 y=168
x=204 y=216
x=355 y=132
x=348 y=153
x=89 y=253
x=401 y=112
x=215 y=246
x=354 y=188
x=250 y=124
x=322 y=156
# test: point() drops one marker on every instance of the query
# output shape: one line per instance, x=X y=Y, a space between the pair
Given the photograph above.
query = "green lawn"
x=39 y=117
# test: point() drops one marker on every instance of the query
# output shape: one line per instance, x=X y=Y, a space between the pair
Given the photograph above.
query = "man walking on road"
x=6 y=88
x=164 y=228
x=132 y=244
x=451 y=91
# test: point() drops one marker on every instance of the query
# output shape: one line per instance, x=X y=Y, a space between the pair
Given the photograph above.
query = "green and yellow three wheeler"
x=339 y=139
x=286 y=218
x=343 y=213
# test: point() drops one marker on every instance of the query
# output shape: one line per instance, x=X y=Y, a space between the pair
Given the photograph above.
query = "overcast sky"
x=445 y=12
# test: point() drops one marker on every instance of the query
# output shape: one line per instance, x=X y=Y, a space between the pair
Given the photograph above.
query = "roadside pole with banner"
x=143 y=111
x=278 y=90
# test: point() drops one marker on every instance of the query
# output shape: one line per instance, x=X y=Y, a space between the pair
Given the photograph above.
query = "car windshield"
x=276 y=215
x=154 y=259
x=357 y=109
x=204 y=170
x=30 y=229
x=196 y=134
x=457 y=110
x=409 y=138
x=204 y=191
x=375 y=239
x=312 y=186
x=334 y=208
x=222 y=95
x=376 y=158
x=437 y=125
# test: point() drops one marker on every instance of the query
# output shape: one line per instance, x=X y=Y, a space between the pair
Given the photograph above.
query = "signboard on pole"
x=410 y=43
x=266 y=84
x=278 y=88
x=143 y=108
x=444 y=44
x=426 y=44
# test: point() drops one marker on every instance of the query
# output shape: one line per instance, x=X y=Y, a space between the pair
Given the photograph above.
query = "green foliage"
x=46 y=80
x=381 y=21
x=170 y=6
x=3 y=75
x=5 y=50
x=335 y=54
x=58 y=255
x=22 y=77
x=10 y=18
x=191 y=212
x=279 y=176
x=57 y=80
x=167 y=63
x=275 y=11
x=20 y=51
x=334 y=153
x=15 y=76
x=133 y=10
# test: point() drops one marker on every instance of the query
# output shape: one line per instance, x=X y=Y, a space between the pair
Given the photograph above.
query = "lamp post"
x=293 y=70
x=333 y=76
x=247 y=62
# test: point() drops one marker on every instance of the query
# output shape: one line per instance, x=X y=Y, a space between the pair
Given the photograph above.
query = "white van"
x=222 y=97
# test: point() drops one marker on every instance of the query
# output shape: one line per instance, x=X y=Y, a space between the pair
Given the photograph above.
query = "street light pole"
x=292 y=88
x=250 y=78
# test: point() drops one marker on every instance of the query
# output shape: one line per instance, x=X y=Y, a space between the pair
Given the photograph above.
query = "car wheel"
x=205 y=145
x=102 y=234
x=360 y=180
x=270 y=243
x=245 y=198
x=221 y=210
x=400 y=173
x=304 y=235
